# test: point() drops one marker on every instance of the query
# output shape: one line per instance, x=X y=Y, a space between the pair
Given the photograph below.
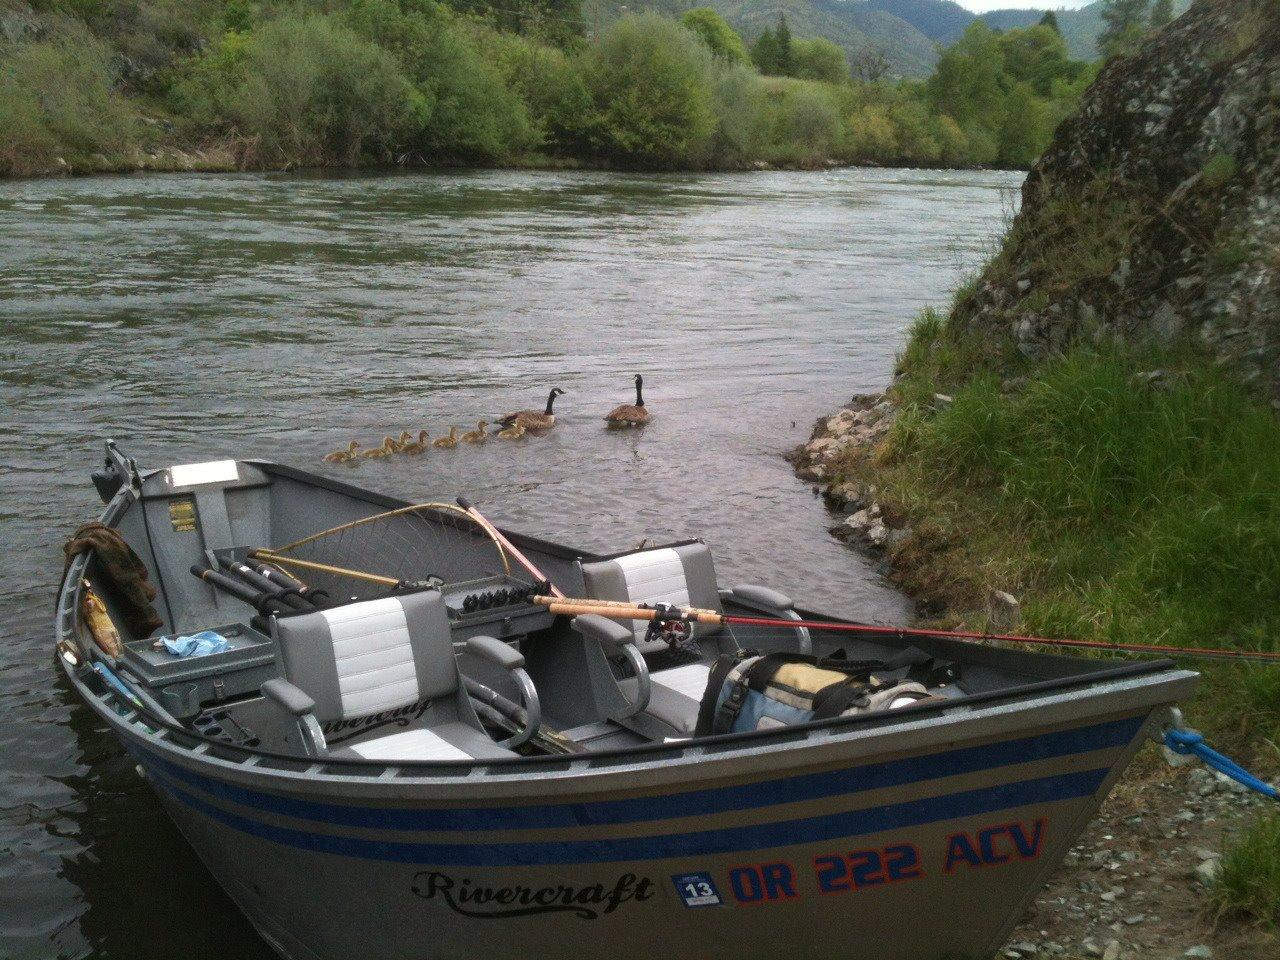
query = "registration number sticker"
x=697 y=890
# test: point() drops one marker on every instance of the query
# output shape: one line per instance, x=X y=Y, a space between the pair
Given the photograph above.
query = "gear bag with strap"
x=784 y=689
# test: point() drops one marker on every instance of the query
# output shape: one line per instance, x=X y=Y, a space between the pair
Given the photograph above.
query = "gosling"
x=478 y=435
x=447 y=442
x=343 y=456
x=386 y=450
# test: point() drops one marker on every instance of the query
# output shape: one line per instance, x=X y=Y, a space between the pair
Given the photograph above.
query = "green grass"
x=1116 y=508
x=1249 y=886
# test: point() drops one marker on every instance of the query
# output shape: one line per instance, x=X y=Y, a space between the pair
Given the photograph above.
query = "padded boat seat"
x=675 y=696
x=364 y=659
x=446 y=741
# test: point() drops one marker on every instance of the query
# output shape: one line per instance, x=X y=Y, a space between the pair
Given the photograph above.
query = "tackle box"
x=184 y=684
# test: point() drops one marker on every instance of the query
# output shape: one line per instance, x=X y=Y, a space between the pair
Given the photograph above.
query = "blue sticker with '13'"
x=697 y=890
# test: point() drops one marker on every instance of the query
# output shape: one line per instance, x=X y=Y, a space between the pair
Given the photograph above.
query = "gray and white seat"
x=664 y=703
x=388 y=658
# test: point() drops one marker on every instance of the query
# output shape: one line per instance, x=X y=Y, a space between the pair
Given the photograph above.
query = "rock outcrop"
x=1155 y=213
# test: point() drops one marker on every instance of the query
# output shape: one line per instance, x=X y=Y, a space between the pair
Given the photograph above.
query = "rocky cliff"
x=1155 y=213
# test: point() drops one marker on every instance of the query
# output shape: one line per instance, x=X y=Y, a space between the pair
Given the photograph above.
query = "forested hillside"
x=230 y=84
x=945 y=20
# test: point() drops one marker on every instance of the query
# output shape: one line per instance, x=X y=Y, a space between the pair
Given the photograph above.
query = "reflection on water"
x=203 y=317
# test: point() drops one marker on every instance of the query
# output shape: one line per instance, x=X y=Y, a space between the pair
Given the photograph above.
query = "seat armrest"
x=495 y=651
x=288 y=697
x=617 y=640
x=757 y=596
x=611 y=634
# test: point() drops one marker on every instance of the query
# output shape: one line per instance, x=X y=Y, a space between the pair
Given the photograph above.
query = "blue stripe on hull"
x=913 y=813
x=817 y=786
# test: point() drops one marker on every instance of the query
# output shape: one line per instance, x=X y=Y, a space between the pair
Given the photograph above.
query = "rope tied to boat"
x=1190 y=743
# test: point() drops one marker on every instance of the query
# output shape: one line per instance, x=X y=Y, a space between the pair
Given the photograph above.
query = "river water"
x=201 y=317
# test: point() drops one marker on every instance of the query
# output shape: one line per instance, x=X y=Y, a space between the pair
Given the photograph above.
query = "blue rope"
x=1189 y=743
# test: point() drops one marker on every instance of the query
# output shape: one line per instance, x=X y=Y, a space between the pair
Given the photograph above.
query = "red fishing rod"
x=661 y=612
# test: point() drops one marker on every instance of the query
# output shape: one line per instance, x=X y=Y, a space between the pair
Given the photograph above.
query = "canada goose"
x=416 y=446
x=532 y=419
x=513 y=432
x=477 y=435
x=628 y=414
x=343 y=456
x=386 y=450
x=450 y=441
x=405 y=437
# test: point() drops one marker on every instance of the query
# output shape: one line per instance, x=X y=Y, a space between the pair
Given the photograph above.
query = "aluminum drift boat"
x=431 y=766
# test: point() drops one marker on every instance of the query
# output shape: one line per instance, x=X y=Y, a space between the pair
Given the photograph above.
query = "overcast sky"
x=981 y=6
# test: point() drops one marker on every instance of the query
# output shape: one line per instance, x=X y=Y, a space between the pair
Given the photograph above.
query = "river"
x=200 y=317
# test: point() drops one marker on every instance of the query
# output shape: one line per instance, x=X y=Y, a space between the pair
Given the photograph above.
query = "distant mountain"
x=851 y=24
x=940 y=20
x=907 y=32
x=945 y=21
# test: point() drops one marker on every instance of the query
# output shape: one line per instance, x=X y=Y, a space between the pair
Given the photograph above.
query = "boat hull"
x=911 y=854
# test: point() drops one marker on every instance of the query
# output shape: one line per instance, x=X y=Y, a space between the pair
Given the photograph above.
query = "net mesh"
x=411 y=544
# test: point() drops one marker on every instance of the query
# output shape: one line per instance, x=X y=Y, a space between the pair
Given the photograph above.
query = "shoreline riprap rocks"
x=852 y=430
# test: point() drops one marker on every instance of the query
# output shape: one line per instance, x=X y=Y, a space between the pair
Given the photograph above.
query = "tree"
x=1162 y=14
x=1050 y=20
x=651 y=80
x=870 y=65
x=786 y=57
x=819 y=59
x=766 y=54
x=721 y=39
x=1126 y=21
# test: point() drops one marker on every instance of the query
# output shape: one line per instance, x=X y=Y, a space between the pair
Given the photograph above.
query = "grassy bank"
x=90 y=85
x=1122 y=495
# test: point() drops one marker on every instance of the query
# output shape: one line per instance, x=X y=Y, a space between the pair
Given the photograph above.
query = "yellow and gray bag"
x=781 y=690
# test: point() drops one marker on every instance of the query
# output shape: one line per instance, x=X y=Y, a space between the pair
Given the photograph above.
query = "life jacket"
x=783 y=689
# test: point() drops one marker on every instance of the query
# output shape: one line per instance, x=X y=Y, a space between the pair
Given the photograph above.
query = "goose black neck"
x=639 y=394
x=551 y=399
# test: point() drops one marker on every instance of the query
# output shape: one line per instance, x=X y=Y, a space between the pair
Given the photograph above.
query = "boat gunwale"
x=67 y=617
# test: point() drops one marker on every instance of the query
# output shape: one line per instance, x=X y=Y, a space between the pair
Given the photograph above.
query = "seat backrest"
x=683 y=575
x=367 y=657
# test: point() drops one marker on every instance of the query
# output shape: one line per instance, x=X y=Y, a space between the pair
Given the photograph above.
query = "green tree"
x=307 y=90
x=722 y=40
x=819 y=59
x=968 y=82
x=766 y=54
x=1023 y=132
x=1125 y=22
x=786 y=56
x=473 y=114
x=1037 y=56
x=1050 y=20
x=1161 y=14
x=651 y=80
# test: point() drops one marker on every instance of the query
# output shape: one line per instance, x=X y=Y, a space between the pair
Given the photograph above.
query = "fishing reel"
x=673 y=629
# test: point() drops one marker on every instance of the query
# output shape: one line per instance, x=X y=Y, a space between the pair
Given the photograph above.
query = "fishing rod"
x=251 y=576
x=280 y=580
x=508 y=546
x=621 y=610
x=262 y=601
